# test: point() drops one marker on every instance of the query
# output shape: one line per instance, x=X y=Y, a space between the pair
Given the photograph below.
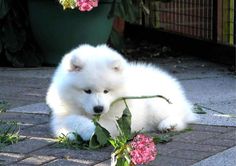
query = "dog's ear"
x=72 y=63
x=117 y=65
x=75 y=64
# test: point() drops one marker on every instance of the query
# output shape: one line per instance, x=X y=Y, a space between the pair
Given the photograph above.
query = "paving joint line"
x=198 y=78
x=56 y=158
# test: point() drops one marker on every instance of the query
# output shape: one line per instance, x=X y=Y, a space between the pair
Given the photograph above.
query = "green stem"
x=126 y=103
x=139 y=97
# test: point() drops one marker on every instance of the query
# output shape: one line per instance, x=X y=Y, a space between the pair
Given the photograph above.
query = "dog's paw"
x=170 y=124
x=71 y=136
x=87 y=131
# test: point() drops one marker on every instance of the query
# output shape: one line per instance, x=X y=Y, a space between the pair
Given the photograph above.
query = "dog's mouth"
x=97 y=114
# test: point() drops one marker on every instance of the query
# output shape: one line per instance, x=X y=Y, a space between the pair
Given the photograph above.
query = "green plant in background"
x=129 y=11
x=8 y=133
x=3 y=106
x=8 y=130
x=16 y=44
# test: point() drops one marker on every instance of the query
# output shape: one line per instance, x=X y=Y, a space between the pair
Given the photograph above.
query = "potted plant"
x=17 y=47
x=57 y=30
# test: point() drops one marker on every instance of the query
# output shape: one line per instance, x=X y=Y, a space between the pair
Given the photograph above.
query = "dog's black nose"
x=98 y=109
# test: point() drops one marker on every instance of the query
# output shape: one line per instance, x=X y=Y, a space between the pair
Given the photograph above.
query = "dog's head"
x=95 y=76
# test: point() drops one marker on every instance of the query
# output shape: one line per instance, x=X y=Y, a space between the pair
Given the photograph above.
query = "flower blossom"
x=143 y=149
x=86 y=5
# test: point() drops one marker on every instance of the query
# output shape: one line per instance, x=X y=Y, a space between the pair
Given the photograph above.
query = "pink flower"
x=86 y=5
x=143 y=149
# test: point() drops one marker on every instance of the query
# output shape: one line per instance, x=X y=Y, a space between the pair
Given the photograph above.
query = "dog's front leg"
x=70 y=124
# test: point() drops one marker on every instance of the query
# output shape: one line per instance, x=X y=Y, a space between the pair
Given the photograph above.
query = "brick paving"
x=39 y=148
x=28 y=86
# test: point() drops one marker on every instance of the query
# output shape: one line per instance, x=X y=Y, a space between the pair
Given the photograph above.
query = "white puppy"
x=90 y=78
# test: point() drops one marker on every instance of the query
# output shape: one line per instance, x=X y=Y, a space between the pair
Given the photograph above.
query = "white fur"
x=101 y=68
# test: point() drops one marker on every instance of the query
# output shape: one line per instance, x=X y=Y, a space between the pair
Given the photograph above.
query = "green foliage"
x=8 y=133
x=98 y=140
x=122 y=162
x=121 y=148
x=16 y=45
x=78 y=143
x=8 y=130
x=124 y=123
x=129 y=11
x=198 y=109
x=162 y=139
x=100 y=137
x=3 y=106
x=167 y=137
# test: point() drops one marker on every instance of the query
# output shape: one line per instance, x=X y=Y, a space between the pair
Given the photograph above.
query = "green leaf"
x=122 y=162
x=127 y=10
x=93 y=143
x=124 y=123
x=102 y=134
x=113 y=142
x=100 y=138
x=162 y=139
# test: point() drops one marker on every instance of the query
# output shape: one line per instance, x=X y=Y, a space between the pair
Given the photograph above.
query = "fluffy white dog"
x=90 y=78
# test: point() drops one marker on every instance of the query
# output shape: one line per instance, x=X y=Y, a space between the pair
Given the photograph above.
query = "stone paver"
x=6 y=158
x=173 y=146
x=215 y=118
x=225 y=106
x=71 y=162
x=73 y=154
x=210 y=90
x=38 y=108
x=229 y=135
x=220 y=142
x=40 y=73
x=190 y=154
x=104 y=163
x=36 y=160
x=171 y=161
x=42 y=130
x=225 y=158
x=194 y=136
x=215 y=129
x=27 y=145
x=27 y=119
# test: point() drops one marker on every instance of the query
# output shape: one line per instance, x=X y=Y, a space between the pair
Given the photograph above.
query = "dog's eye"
x=88 y=91
x=106 y=91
